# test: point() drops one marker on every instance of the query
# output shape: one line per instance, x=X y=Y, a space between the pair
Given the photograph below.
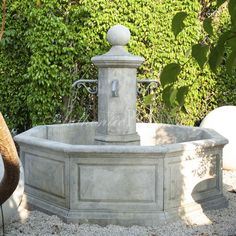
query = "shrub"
x=49 y=43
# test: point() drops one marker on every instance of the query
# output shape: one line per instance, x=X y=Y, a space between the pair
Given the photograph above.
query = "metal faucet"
x=115 y=88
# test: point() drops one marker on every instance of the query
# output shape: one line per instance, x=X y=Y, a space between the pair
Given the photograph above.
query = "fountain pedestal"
x=117 y=85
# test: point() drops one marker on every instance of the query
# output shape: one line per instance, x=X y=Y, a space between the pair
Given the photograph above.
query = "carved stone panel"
x=45 y=174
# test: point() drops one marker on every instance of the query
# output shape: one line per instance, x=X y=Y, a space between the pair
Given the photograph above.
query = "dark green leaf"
x=216 y=57
x=225 y=37
x=170 y=74
x=184 y=110
x=178 y=22
x=232 y=43
x=231 y=62
x=217 y=53
x=199 y=52
x=207 y=25
x=220 y=2
x=173 y=96
x=181 y=94
x=232 y=11
x=169 y=96
x=166 y=96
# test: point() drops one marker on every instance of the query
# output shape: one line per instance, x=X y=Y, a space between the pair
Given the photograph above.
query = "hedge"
x=48 y=44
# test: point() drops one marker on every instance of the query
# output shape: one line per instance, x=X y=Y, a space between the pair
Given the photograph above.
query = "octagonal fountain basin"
x=174 y=173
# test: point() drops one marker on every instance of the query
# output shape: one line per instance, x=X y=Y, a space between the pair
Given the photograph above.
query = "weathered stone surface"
x=168 y=172
x=118 y=35
x=175 y=171
x=117 y=91
x=222 y=120
x=120 y=180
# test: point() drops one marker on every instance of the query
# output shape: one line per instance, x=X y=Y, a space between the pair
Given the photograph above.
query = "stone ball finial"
x=118 y=35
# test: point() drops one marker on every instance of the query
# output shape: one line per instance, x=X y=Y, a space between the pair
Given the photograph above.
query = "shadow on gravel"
x=223 y=225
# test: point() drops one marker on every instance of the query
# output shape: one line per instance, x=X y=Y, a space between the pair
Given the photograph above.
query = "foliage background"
x=48 y=45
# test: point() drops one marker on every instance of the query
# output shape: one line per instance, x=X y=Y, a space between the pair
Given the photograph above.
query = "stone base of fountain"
x=174 y=172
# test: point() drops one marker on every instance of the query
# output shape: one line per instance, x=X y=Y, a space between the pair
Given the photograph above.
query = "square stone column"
x=117 y=85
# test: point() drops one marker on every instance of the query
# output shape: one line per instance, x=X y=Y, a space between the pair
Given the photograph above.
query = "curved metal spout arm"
x=11 y=162
x=84 y=82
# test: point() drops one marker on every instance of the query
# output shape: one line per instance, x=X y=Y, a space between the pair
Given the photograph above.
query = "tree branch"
x=4 y=13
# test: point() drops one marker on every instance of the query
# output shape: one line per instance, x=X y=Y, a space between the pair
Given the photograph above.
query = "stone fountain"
x=115 y=171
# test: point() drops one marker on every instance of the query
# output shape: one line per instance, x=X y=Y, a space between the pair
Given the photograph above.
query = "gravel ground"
x=222 y=222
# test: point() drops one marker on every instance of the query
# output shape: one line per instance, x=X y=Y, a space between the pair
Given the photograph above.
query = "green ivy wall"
x=48 y=44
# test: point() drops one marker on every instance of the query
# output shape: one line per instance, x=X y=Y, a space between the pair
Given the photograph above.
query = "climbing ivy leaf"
x=148 y=99
x=38 y=3
x=178 y=22
x=170 y=74
x=207 y=25
x=231 y=62
x=199 y=52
